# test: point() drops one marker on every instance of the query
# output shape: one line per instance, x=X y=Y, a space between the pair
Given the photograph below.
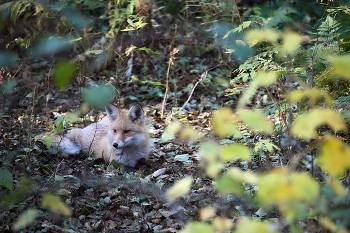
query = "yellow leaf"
x=313 y=93
x=338 y=188
x=290 y=191
x=253 y=86
x=255 y=120
x=242 y=176
x=273 y=187
x=129 y=50
x=305 y=125
x=234 y=151
x=292 y=41
x=207 y=212
x=341 y=65
x=246 y=225
x=223 y=123
x=170 y=131
x=197 y=227
x=264 y=78
x=280 y=186
x=304 y=187
x=334 y=157
x=214 y=168
x=55 y=204
x=25 y=219
x=179 y=189
x=222 y=224
x=189 y=134
x=255 y=36
x=327 y=223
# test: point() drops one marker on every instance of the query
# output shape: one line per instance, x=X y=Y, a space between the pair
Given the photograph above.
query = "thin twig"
x=313 y=57
x=54 y=174
x=203 y=77
x=171 y=58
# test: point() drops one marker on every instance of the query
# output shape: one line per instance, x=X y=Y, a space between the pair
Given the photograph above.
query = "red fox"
x=121 y=136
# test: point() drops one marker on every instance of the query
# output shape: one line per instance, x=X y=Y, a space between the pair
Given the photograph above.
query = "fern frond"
x=328 y=30
x=19 y=7
x=6 y=6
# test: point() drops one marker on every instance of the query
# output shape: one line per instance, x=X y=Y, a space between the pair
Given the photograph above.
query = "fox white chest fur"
x=121 y=136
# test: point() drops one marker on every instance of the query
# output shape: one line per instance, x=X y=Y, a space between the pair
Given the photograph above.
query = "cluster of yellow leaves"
x=55 y=204
x=293 y=192
x=49 y=201
x=290 y=40
x=185 y=133
x=261 y=79
x=306 y=124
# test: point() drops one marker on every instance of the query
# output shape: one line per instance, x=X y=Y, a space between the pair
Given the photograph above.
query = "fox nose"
x=118 y=144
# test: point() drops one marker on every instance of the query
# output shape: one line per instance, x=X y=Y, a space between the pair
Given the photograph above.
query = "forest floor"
x=102 y=197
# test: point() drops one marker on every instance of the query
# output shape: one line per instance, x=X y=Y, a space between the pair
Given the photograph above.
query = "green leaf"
x=99 y=96
x=147 y=50
x=197 y=227
x=8 y=58
x=265 y=144
x=51 y=45
x=179 y=189
x=71 y=117
x=239 y=28
x=18 y=194
x=63 y=73
x=7 y=86
x=55 y=204
x=25 y=219
x=6 y=178
x=255 y=120
x=226 y=185
x=209 y=151
x=234 y=151
x=48 y=141
x=60 y=122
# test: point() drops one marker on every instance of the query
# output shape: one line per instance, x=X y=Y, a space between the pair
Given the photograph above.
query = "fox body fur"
x=121 y=136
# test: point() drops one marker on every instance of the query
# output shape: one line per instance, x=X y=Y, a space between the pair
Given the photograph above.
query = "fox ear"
x=112 y=112
x=136 y=114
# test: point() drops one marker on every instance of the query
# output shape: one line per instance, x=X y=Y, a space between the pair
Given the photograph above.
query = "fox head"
x=126 y=127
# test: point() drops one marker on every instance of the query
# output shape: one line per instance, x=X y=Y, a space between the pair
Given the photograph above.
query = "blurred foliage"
x=283 y=65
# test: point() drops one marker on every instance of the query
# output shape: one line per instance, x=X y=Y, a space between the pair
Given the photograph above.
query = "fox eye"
x=114 y=131
x=126 y=131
